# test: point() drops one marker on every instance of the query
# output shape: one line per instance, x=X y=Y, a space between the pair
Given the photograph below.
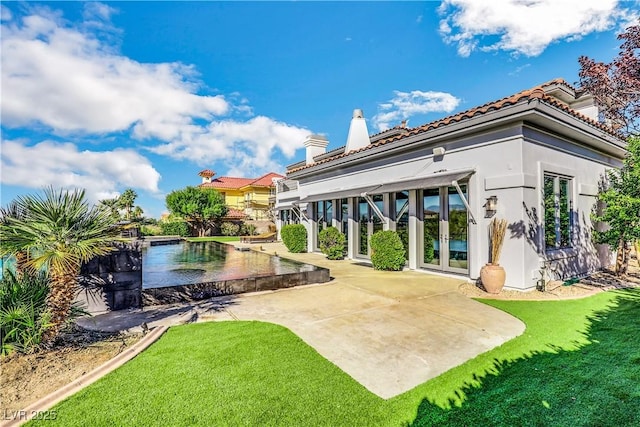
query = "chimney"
x=206 y=175
x=315 y=145
x=358 y=134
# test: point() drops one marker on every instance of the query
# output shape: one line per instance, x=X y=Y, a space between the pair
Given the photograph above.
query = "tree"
x=15 y=212
x=113 y=206
x=59 y=231
x=127 y=200
x=199 y=207
x=620 y=207
x=616 y=85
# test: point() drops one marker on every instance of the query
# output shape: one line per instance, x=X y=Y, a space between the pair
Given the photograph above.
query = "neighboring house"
x=535 y=158
x=246 y=198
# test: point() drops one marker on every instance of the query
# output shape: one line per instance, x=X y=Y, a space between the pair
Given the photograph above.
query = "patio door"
x=445 y=230
x=368 y=223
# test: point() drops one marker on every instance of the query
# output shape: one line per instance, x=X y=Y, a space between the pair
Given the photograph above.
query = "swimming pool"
x=198 y=270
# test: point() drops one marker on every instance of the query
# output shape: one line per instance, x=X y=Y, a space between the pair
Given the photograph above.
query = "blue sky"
x=113 y=95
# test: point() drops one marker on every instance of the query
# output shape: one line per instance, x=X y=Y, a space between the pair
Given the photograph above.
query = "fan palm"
x=21 y=256
x=60 y=232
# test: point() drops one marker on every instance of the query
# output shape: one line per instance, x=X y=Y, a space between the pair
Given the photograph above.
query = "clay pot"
x=492 y=278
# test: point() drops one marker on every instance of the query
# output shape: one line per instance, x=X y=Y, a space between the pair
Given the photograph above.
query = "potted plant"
x=492 y=275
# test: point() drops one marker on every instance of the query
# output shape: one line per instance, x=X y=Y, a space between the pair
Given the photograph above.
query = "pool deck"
x=390 y=331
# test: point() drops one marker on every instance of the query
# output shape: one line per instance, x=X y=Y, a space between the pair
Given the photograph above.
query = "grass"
x=221 y=239
x=578 y=363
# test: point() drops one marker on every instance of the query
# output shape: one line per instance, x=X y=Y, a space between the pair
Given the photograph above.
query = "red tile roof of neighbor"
x=238 y=183
x=234 y=214
x=536 y=92
x=207 y=173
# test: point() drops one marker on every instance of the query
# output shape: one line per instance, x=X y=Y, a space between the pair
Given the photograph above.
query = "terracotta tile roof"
x=536 y=92
x=234 y=214
x=266 y=180
x=227 y=182
x=206 y=173
x=238 y=183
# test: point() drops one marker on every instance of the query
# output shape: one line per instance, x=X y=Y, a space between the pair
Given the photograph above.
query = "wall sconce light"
x=439 y=151
x=491 y=207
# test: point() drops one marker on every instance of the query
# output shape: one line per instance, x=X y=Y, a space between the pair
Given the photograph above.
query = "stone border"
x=41 y=407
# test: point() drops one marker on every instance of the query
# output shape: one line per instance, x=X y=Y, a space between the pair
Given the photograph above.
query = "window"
x=558 y=208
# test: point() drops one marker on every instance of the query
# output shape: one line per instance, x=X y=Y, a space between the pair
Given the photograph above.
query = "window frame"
x=563 y=229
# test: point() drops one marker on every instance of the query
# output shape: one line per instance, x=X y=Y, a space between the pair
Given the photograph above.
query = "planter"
x=492 y=278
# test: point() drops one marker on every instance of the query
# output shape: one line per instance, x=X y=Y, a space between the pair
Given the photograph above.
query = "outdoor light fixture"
x=491 y=206
x=439 y=151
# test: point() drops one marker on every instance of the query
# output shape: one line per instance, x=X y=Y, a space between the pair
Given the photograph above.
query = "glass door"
x=445 y=229
x=368 y=223
x=457 y=235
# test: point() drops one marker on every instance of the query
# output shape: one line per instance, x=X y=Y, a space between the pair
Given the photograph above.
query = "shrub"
x=387 y=251
x=151 y=230
x=229 y=229
x=175 y=228
x=23 y=311
x=294 y=237
x=332 y=243
x=247 y=229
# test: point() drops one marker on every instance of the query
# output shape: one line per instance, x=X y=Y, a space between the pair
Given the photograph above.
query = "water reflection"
x=188 y=263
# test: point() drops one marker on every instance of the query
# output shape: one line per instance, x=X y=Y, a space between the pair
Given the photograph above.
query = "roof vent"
x=358 y=134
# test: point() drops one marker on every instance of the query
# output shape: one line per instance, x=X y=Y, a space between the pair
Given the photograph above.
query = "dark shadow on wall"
x=582 y=258
x=597 y=384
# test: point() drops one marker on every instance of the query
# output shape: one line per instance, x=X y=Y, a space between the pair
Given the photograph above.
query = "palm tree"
x=21 y=257
x=112 y=205
x=60 y=232
x=127 y=200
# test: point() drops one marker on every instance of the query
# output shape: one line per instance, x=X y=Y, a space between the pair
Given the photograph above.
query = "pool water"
x=202 y=262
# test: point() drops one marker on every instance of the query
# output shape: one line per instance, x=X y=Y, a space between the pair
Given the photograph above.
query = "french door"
x=368 y=223
x=445 y=230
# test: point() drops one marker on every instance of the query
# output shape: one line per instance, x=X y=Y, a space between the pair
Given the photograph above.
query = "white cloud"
x=71 y=79
x=67 y=79
x=525 y=26
x=101 y=173
x=407 y=104
x=245 y=146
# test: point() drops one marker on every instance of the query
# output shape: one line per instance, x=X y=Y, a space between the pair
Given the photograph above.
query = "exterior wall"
x=233 y=198
x=112 y=282
x=509 y=163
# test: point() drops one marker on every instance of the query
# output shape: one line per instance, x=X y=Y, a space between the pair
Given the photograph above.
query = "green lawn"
x=221 y=239
x=578 y=363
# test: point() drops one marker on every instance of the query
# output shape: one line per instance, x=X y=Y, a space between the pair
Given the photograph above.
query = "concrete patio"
x=390 y=331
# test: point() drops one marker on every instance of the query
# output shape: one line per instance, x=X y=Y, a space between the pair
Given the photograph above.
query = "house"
x=246 y=198
x=534 y=158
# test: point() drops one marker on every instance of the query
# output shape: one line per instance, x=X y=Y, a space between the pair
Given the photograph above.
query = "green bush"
x=331 y=242
x=23 y=311
x=387 y=251
x=229 y=229
x=150 y=230
x=247 y=229
x=175 y=228
x=294 y=237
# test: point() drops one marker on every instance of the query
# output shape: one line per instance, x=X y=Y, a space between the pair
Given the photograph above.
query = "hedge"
x=387 y=251
x=294 y=237
x=175 y=228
